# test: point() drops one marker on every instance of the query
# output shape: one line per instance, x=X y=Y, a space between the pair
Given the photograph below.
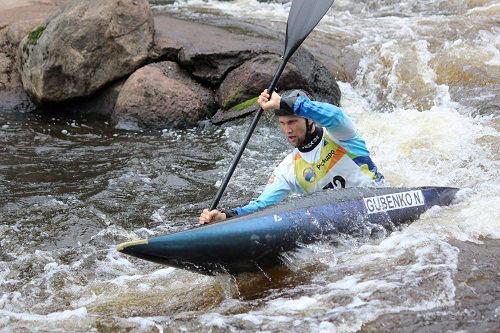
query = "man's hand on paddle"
x=266 y=104
x=269 y=104
x=211 y=216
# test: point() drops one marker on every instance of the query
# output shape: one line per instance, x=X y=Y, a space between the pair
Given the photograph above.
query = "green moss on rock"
x=244 y=105
x=232 y=98
x=35 y=34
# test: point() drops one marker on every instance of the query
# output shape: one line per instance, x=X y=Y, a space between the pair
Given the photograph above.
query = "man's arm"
x=270 y=195
x=324 y=114
x=277 y=189
x=336 y=122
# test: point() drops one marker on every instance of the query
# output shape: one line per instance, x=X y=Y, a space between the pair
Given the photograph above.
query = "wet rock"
x=10 y=37
x=247 y=81
x=84 y=46
x=211 y=54
x=321 y=81
x=241 y=110
x=208 y=52
x=238 y=92
x=161 y=95
x=174 y=71
x=101 y=103
x=12 y=95
x=15 y=100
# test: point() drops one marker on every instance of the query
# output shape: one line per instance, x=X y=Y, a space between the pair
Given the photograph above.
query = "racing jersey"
x=339 y=158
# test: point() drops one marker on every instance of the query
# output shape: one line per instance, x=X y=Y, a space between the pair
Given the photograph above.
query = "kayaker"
x=331 y=155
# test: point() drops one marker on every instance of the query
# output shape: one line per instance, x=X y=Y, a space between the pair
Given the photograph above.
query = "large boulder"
x=212 y=54
x=12 y=94
x=10 y=37
x=208 y=52
x=238 y=93
x=161 y=95
x=247 y=81
x=84 y=46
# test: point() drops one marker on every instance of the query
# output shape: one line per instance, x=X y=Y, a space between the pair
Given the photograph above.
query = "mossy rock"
x=230 y=102
x=238 y=111
x=244 y=105
x=35 y=34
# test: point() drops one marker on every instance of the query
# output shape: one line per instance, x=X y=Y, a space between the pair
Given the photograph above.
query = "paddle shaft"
x=303 y=17
x=250 y=130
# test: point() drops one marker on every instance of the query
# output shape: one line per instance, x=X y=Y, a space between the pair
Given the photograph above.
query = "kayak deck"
x=255 y=241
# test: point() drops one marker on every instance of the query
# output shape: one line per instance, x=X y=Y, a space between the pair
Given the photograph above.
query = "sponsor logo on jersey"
x=309 y=175
x=394 y=201
x=326 y=159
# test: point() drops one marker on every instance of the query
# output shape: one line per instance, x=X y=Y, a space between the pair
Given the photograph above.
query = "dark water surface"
x=425 y=98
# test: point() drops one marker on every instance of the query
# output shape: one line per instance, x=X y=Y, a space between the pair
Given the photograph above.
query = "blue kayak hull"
x=255 y=241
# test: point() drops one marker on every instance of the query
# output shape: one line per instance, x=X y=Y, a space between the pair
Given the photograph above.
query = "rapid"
x=421 y=81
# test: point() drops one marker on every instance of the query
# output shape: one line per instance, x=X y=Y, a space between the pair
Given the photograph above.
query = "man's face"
x=294 y=128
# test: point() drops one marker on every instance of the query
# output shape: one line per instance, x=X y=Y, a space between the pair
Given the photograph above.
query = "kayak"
x=255 y=241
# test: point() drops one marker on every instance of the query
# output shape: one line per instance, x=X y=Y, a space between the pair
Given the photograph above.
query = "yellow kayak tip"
x=133 y=243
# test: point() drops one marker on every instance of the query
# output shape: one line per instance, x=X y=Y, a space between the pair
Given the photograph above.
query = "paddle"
x=303 y=17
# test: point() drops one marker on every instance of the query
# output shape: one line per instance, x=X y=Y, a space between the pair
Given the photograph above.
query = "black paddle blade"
x=304 y=16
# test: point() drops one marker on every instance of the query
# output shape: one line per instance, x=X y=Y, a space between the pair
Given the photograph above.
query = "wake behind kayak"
x=255 y=241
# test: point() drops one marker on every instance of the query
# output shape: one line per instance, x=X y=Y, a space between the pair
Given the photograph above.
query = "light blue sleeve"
x=338 y=124
x=273 y=192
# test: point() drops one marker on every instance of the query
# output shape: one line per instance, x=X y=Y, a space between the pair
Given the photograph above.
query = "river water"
x=425 y=96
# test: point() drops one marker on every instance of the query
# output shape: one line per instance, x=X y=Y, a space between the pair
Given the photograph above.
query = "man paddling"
x=330 y=156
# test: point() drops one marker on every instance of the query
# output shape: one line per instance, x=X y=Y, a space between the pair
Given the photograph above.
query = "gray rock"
x=161 y=95
x=15 y=100
x=172 y=70
x=222 y=116
x=247 y=81
x=12 y=95
x=101 y=103
x=321 y=81
x=10 y=37
x=211 y=54
x=208 y=52
x=83 y=47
